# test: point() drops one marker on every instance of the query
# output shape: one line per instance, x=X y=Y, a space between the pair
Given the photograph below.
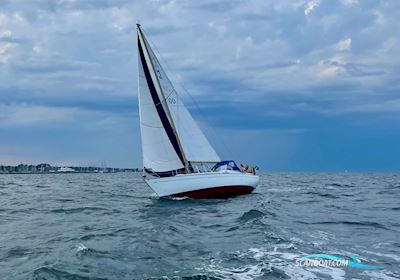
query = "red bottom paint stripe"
x=218 y=192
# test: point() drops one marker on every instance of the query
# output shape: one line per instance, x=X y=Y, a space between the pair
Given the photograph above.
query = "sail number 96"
x=171 y=100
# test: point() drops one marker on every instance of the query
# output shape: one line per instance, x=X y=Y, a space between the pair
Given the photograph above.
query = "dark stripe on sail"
x=157 y=103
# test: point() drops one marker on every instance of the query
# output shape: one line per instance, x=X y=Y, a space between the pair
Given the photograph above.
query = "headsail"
x=195 y=144
x=171 y=139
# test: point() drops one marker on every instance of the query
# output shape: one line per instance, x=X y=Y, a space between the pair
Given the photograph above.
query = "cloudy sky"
x=290 y=85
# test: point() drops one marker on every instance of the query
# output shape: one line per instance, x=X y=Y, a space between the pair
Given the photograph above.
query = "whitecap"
x=81 y=247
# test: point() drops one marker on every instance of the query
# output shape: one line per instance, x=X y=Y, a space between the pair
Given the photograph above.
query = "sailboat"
x=178 y=160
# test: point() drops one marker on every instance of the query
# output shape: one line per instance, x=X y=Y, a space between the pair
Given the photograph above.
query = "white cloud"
x=122 y=19
x=349 y=2
x=333 y=67
x=249 y=45
x=68 y=29
x=379 y=17
x=5 y=52
x=3 y=18
x=344 y=45
x=219 y=27
x=5 y=47
x=338 y=59
x=329 y=71
x=37 y=49
x=18 y=17
x=6 y=33
x=22 y=114
x=311 y=6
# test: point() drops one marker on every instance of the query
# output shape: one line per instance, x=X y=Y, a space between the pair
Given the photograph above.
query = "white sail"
x=158 y=151
x=194 y=143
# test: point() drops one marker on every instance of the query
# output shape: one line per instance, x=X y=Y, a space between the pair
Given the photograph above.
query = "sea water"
x=111 y=226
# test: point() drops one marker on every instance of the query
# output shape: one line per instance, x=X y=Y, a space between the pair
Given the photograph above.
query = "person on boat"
x=246 y=168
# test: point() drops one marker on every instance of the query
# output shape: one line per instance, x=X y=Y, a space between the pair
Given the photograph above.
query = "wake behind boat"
x=178 y=160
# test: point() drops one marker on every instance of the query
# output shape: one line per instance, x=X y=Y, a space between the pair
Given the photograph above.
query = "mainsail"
x=171 y=139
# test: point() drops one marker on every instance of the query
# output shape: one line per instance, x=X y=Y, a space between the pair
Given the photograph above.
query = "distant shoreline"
x=45 y=168
x=76 y=172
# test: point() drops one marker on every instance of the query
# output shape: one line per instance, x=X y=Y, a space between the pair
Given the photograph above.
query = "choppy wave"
x=351 y=223
x=49 y=273
x=77 y=209
x=322 y=194
x=111 y=226
x=251 y=215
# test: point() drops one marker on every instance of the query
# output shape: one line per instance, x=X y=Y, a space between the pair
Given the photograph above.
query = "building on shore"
x=65 y=169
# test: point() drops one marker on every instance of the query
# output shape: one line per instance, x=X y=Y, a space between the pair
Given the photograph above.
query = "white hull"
x=205 y=185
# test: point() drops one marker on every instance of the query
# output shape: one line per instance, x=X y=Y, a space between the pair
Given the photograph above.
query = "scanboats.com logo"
x=333 y=261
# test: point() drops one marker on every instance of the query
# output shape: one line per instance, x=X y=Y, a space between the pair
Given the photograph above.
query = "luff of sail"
x=170 y=136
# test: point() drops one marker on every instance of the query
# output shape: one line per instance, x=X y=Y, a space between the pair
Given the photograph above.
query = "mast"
x=185 y=161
